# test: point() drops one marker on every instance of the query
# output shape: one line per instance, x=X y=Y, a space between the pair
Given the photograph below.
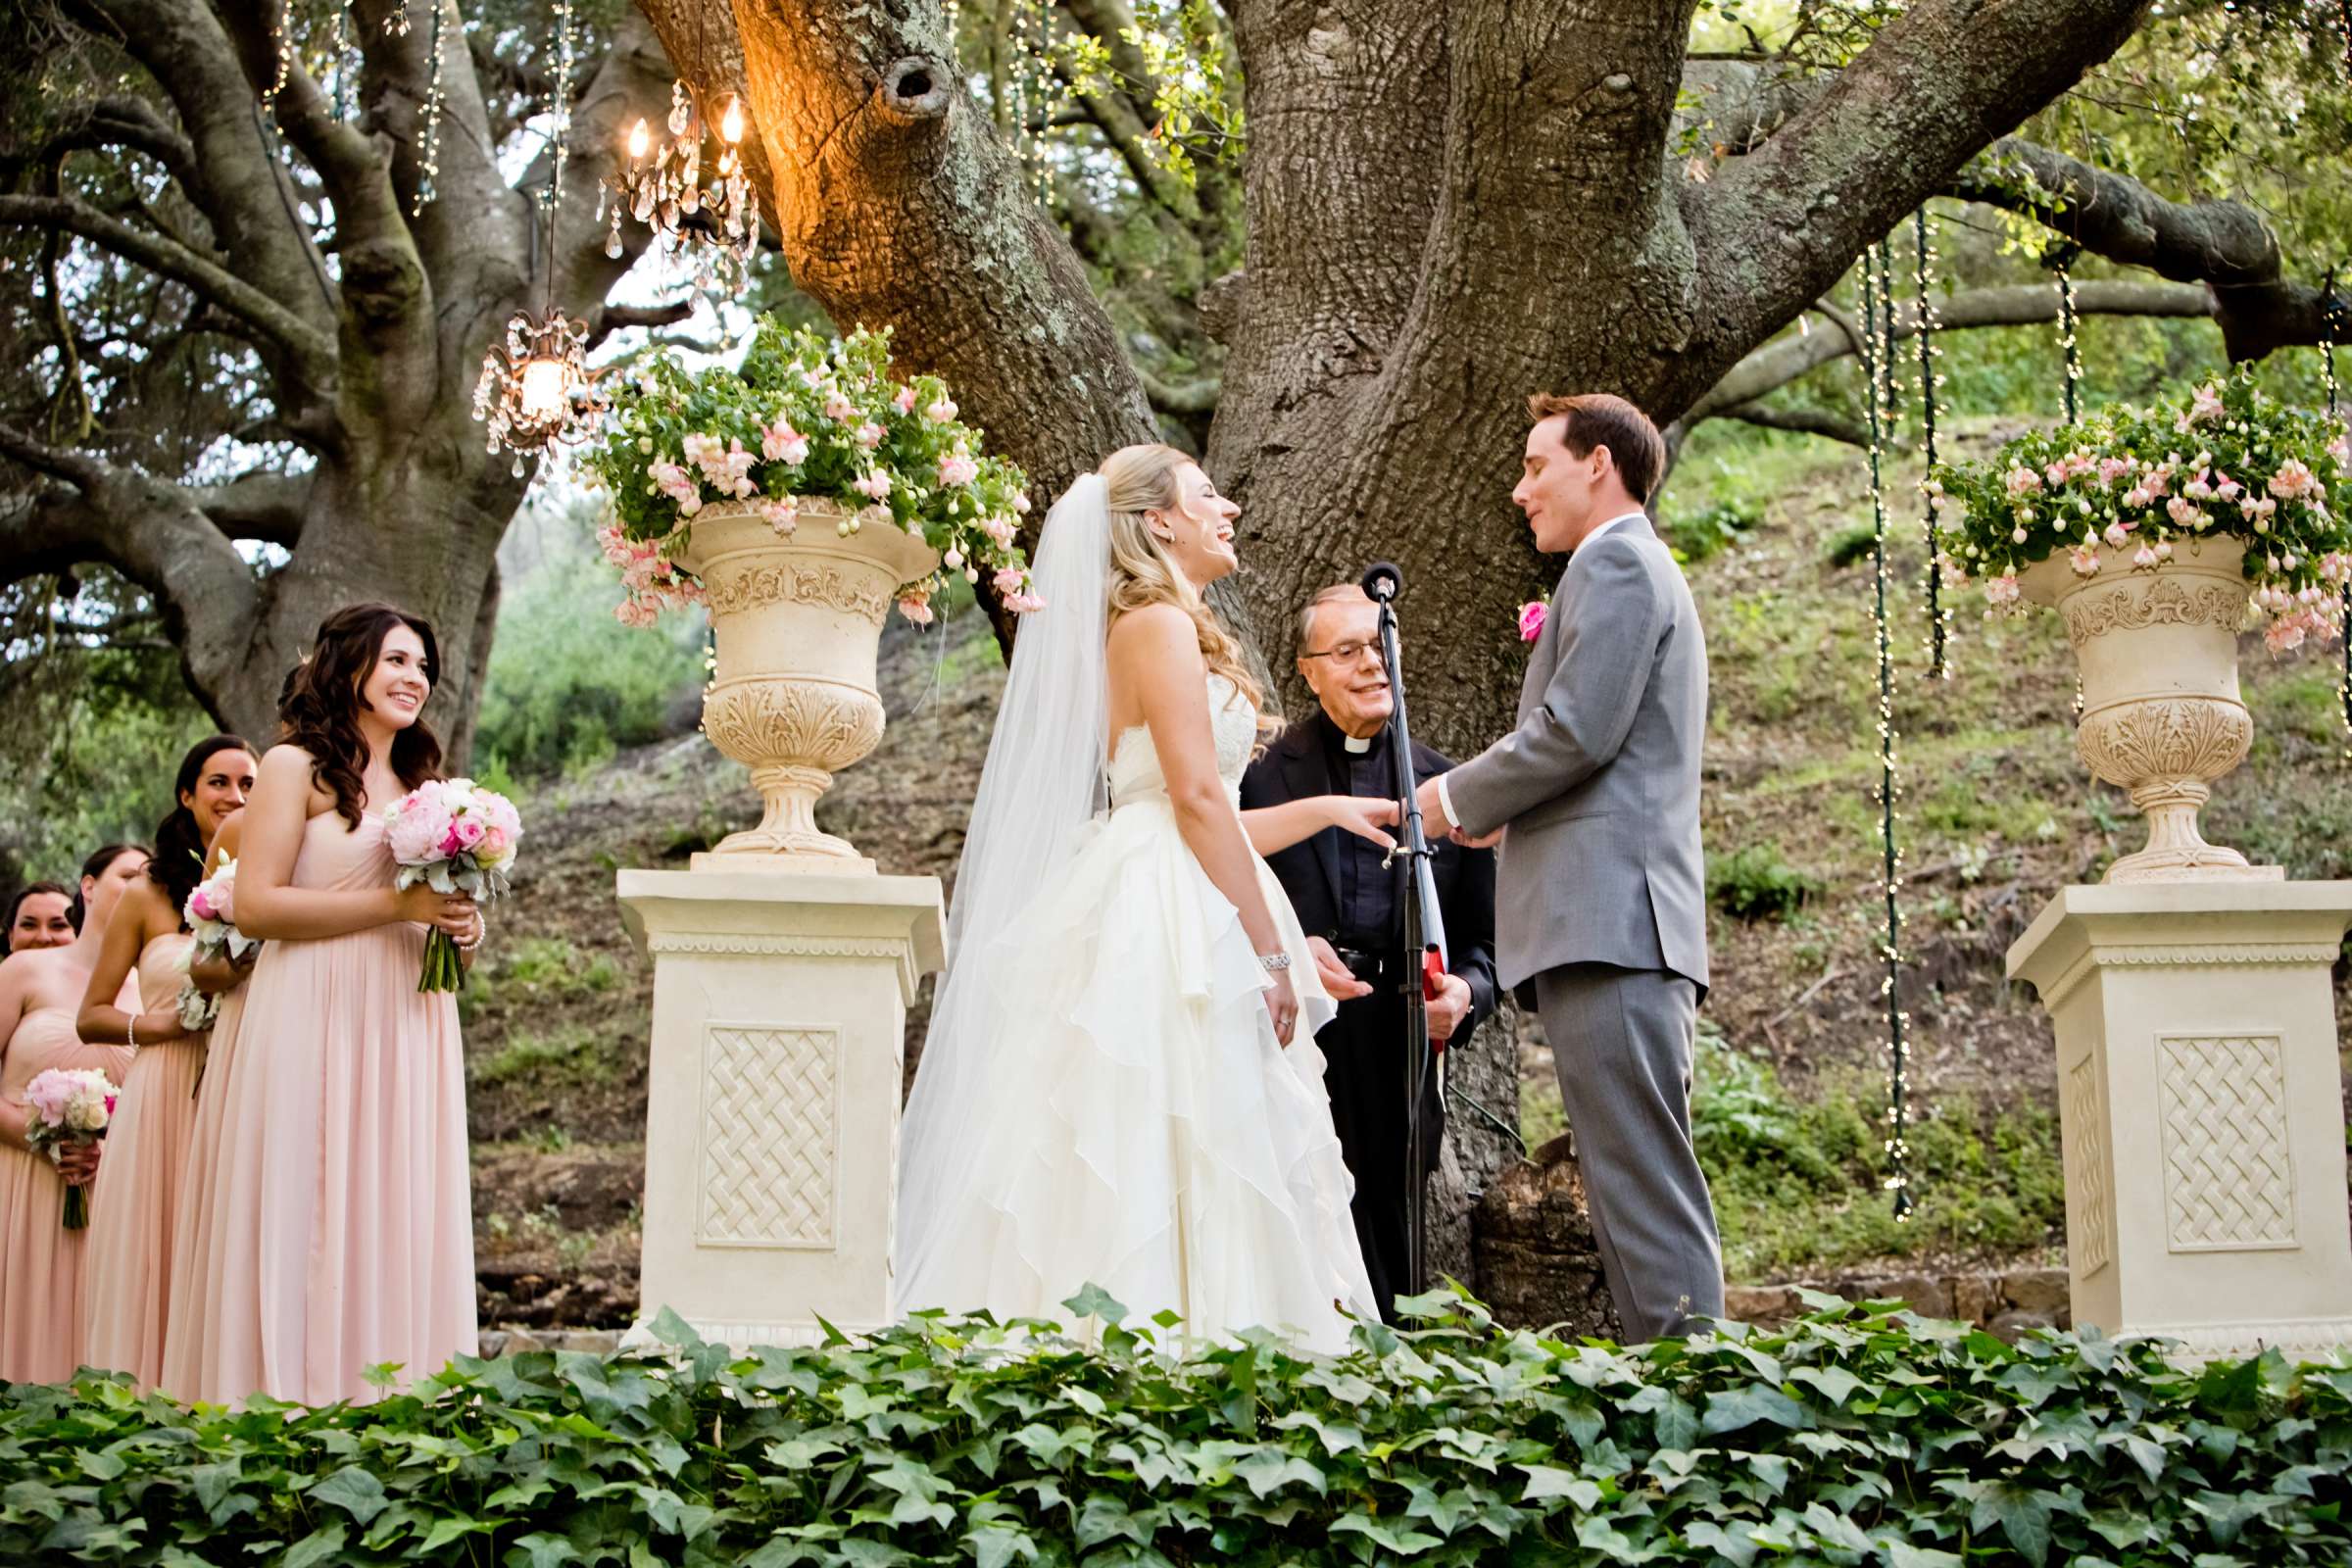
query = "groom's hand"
x=1338 y=981
x=1434 y=820
x=1452 y=1006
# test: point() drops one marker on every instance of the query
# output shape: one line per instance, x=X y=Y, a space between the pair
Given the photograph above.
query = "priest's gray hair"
x=1337 y=592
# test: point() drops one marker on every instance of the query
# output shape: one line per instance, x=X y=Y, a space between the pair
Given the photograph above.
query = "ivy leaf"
x=1737 y=1549
x=446 y=1529
x=1267 y=1472
x=1396 y=1536
x=1902 y=1555
x=353 y=1490
x=1836 y=1383
x=997 y=1546
x=1544 y=1480
x=1744 y=1407
x=2023 y=1515
x=1095 y=1301
x=100 y=1465
x=540 y=1550
x=323 y=1544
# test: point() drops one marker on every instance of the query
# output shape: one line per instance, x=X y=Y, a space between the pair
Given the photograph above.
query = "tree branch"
x=1804 y=420
x=148 y=531
x=1895 y=127
x=309 y=355
x=613 y=319
x=2225 y=244
x=269 y=507
x=1783 y=360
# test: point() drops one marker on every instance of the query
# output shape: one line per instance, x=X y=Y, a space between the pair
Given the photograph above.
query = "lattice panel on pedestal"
x=2086 y=1233
x=2229 y=1183
x=770 y=1129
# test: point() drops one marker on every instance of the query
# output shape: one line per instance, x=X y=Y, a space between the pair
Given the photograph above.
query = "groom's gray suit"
x=1600 y=900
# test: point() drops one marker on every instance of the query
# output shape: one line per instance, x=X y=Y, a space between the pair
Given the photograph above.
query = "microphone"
x=1383 y=581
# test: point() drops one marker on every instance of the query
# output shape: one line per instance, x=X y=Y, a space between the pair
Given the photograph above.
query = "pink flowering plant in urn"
x=806 y=432
x=2157 y=534
x=2124 y=491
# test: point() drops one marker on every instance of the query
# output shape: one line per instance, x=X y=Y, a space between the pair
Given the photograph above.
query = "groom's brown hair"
x=1601 y=419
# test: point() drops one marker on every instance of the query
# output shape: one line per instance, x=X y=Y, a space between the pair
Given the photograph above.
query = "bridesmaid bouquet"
x=69 y=1105
x=211 y=913
x=455 y=837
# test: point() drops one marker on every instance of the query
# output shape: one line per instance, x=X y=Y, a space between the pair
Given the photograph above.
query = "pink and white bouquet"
x=69 y=1105
x=211 y=912
x=455 y=837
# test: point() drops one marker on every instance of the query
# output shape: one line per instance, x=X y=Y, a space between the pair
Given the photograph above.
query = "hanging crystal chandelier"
x=662 y=186
x=536 y=385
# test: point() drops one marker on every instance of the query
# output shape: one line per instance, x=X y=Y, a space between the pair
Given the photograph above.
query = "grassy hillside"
x=1996 y=814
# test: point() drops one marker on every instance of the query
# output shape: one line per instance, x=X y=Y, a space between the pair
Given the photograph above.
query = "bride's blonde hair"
x=1142 y=478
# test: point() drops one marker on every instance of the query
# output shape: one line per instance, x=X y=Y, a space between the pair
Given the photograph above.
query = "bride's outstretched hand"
x=1364 y=817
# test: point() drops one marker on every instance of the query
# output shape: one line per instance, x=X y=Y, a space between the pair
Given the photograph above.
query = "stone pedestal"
x=772 y=1120
x=2202 y=1108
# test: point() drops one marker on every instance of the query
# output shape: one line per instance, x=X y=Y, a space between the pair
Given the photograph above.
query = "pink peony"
x=1530 y=621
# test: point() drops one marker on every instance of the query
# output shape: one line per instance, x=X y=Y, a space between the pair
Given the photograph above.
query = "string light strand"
x=1878 y=337
x=1939 y=615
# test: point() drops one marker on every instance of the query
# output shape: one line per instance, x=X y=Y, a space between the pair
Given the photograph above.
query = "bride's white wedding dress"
x=1139 y=1127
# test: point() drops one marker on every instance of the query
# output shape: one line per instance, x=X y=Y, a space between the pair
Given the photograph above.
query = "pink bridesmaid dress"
x=342 y=1228
x=41 y=1263
x=128 y=1286
x=194 y=1287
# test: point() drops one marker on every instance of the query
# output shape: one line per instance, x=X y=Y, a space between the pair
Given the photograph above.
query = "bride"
x=1121 y=1085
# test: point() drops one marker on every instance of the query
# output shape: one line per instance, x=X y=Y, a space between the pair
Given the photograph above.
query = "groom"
x=1598 y=893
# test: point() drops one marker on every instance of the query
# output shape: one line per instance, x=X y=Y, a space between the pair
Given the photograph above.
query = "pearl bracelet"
x=481 y=929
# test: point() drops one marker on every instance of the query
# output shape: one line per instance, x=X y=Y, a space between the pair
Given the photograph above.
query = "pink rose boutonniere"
x=1531 y=621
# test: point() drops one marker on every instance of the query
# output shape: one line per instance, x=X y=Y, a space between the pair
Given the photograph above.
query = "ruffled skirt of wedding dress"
x=1143 y=1129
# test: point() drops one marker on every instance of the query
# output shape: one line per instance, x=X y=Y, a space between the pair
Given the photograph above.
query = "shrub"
x=1754 y=883
x=1707 y=533
x=1850 y=547
x=1858 y=1436
x=568 y=683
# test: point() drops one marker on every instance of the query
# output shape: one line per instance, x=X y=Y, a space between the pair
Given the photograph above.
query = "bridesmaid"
x=194 y=1289
x=342 y=1232
x=40 y=1260
x=40 y=915
x=129 y=1270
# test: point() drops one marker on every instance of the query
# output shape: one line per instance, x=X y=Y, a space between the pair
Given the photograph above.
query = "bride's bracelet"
x=1275 y=963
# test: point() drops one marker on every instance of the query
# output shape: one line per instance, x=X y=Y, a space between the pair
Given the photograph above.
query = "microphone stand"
x=1424 y=925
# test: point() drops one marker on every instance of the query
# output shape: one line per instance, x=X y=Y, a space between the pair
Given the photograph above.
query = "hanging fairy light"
x=435 y=96
x=1940 y=613
x=536 y=385
x=1878 y=369
x=661 y=185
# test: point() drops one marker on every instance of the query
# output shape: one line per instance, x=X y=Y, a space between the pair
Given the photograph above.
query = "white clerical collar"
x=1627 y=516
x=1358 y=744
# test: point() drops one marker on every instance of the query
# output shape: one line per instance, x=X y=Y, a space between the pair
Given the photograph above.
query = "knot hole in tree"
x=916 y=87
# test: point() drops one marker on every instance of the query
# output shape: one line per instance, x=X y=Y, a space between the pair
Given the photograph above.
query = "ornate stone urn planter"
x=2161 y=713
x=798 y=623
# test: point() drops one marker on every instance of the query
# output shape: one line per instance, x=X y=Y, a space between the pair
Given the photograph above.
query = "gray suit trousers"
x=1621 y=1041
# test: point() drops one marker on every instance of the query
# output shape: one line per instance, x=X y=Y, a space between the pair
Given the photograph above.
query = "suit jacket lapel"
x=1307 y=772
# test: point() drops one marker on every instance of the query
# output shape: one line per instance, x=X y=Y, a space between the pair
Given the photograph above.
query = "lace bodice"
x=1135 y=770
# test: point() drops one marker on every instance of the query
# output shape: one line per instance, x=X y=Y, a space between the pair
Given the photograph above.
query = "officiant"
x=1352 y=909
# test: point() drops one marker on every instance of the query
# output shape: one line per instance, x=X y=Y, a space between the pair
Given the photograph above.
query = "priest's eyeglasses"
x=1347 y=652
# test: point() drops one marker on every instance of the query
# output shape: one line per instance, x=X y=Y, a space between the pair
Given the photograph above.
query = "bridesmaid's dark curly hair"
x=179 y=849
x=321 y=712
